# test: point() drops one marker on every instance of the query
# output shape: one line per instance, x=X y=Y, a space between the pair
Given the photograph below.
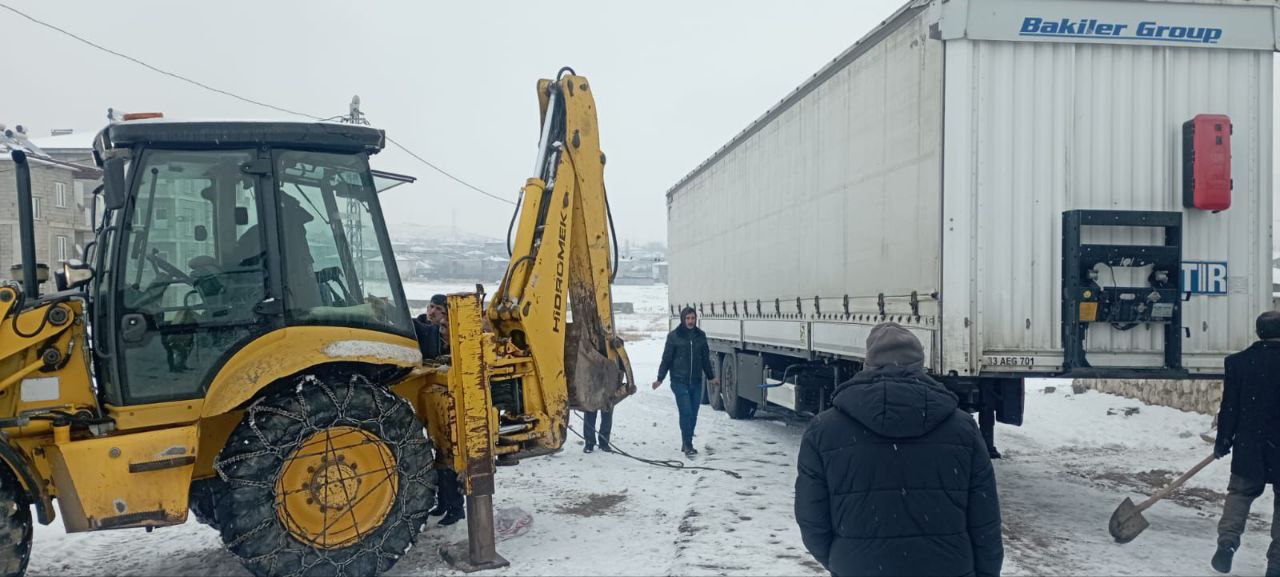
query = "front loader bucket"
x=596 y=382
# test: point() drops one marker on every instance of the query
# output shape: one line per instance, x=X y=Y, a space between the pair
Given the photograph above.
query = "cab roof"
x=160 y=133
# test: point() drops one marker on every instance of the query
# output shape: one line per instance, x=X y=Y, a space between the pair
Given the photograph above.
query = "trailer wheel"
x=735 y=405
x=15 y=526
x=332 y=476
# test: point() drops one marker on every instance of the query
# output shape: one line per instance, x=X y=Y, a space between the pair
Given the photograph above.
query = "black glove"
x=1221 y=450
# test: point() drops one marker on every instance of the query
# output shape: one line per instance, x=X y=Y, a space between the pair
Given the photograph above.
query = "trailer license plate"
x=1009 y=361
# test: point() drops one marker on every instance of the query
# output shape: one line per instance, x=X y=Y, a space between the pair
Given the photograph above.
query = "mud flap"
x=1010 y=401
x=596 y=382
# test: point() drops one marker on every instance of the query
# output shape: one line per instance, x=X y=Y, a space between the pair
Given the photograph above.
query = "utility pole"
x=355 y=209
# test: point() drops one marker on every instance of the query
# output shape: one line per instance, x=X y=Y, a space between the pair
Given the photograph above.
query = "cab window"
x=194 y=268
x=336 y=254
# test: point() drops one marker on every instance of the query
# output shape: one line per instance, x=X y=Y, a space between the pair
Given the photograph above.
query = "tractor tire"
x=15 y=527
x=332 y=476
x=736 y=406
x=205 y=495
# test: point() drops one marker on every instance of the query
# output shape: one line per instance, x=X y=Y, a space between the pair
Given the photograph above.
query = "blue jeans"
x=589 y=427
x=688 y=399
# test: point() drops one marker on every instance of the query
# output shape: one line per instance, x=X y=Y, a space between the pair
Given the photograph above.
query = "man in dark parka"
x=894 y=479
x=1249 y=425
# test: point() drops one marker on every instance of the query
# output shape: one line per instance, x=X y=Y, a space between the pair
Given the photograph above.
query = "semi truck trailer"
x=1034 y=188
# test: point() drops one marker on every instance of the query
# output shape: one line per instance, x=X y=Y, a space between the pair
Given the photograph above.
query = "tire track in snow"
x=743 y=526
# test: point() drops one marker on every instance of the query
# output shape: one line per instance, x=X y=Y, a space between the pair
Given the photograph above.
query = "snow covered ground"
x=1079 y=456
x=1064 y=473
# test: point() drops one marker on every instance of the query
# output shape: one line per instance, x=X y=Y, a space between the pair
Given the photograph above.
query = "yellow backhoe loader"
x=237 y=343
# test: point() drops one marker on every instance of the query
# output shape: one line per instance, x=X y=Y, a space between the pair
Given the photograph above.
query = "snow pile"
x=373 y=349
x=1079 y=455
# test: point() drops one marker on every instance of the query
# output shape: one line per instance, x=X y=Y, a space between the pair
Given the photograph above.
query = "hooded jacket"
x=895 y=480
x=687 y=356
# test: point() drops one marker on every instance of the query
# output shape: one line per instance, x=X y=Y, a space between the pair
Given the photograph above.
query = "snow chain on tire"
x=278 y=433
x=204 y=498
x=15 y=527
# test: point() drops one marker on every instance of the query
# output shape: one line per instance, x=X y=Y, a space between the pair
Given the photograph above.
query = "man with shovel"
x=1249 y=423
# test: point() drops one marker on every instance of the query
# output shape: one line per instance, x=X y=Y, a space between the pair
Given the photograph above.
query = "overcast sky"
x=453 y=81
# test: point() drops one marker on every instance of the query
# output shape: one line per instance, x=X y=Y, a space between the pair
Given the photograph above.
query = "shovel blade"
x=1127 y=522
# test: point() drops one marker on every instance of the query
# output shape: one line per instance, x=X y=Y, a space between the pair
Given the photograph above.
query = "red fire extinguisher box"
x=1206 y=162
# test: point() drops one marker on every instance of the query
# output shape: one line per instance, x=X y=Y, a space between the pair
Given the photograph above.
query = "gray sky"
x=453 y=81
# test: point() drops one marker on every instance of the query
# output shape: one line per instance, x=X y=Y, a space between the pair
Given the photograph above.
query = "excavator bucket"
x=596 y=382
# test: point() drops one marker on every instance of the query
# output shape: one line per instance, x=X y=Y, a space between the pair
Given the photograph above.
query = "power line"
x=441 y=171
x=216 y=90
x=150 y=67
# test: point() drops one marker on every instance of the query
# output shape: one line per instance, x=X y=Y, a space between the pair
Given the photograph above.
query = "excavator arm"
x=546 y=341
x=555 y=301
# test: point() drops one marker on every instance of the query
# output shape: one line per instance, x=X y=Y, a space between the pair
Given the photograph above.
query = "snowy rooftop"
x=38 y=156
x=78 y=140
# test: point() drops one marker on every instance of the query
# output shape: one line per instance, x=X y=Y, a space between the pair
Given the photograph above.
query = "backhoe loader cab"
x=225 y=232
x=247 y=329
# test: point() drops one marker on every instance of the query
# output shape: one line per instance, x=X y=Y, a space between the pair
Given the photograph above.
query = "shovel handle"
x=1162 y=493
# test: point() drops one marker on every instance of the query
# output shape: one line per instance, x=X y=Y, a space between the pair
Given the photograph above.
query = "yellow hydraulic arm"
x=550 y=345
x=555 y=300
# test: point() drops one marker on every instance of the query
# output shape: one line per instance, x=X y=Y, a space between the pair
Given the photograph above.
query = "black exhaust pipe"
x=26 y=225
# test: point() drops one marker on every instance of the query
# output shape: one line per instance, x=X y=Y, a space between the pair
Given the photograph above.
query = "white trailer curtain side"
x=923 y=175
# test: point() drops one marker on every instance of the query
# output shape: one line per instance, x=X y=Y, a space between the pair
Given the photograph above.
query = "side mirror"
x=115 y=187
x=202 y=233
x=76 y=273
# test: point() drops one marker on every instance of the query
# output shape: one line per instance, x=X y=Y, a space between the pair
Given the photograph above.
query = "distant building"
x=660 y=272
x=62 y=183
x=642 y=268
x=449 y=255
x=496 y=248
x=409 y=267
x=634 y=272
x=493 y=268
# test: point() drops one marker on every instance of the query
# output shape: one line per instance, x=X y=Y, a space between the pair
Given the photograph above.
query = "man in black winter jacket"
x=894 y=479
x=688 y=357
x=1249 y=423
